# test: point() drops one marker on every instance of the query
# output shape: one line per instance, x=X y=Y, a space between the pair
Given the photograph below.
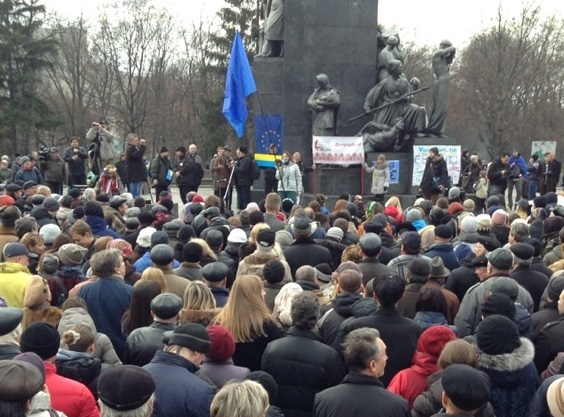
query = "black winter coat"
x=533 y=281
x=142 y=343
x=462 y=278
x=191 y=171
x=304 y=251
x=372 y=267
x=135 y=164
x=80 y=367
x=495 y=174
x=549 y=343
x=302 y=366
x=244 y=171
x=358 y=396
x=336 y=249
x=398 y=333
x=159 y=170
x=434 y=168
x=541 y=318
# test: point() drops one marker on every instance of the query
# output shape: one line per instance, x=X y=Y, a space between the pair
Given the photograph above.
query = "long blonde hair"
x=197 y=296
x=395 y=202
x=257 y=228
x=246 y=312
x=155 y=275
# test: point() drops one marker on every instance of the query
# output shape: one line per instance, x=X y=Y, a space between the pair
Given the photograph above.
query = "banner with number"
x=394 y=168
x=337 y=150
x=451 y=153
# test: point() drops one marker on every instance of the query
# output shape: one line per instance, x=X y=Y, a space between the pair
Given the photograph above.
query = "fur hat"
x=37 y=293
x=283 y=302
x=497 y=335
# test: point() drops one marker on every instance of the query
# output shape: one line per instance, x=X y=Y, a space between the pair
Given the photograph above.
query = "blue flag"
x=269 y=128
x=239 y=84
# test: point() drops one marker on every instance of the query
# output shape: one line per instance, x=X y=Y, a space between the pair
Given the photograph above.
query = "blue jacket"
x=445 y=251
x=220 y=295
x=107 y=299
x=100 y=227
x=179 y=393
x=520 y=161
x=31 y=175
x=145 y=262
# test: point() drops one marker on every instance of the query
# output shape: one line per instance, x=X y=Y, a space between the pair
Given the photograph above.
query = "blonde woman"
x=247 y=317
x=246 y=398
x=289 y=179
x=208 y=256
x=257 y=228
x=155 y=275
x=380 y=177
x=199 y=304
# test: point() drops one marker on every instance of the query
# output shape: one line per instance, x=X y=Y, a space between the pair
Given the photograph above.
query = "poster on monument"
x=394 y=168
x=540 y=147
x=451 y=153
x=337 y=150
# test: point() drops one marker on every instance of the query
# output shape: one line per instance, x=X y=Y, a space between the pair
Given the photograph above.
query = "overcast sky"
x=424 y=22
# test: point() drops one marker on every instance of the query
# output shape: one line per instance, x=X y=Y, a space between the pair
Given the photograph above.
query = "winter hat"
x=453 y=193
x=71 y=254
x=162 y=254
x=252 y=206
x=469 y=224
x=51 y=204
x=434 y=150
x=501 y=259
x=484 y=221
x=438 y=269
x=166 y=305
x=492 y=200
x=6 y=200
x=507 y=286
x=237 y=236
x=273 y=271
x=267 y=382
x=467 y=388
x=222 y=344
x=144 y=237
x=37 y=293
x=413 y=215
x=301 y=228
x=455 y=208
x=283 y=238
x=32 y=359
x=323 y=272
x=131 y=223
x=92 y=208
x=19 y=381
x=555 y=287
x=198 y=199
x=555 y=397
x=40 y=338
x=499 y=217
x=419 y=267
x=443 y=231
x=499 y=303
x=159 y=238
x=214 y=238
x=192 y=336
x=126 y=387
x=335 y=233
x=124 y=247
x=497 y=335
x=132 y=212
x=265 y=238
x=38 y=199
x=173 y=225
x=10 y=319
x=215 y=272
x=434 y=339
x=49 y=233
x=411 y=240
x=49 y=264
x=522 y=251
x=469 y=205
x=283 y=302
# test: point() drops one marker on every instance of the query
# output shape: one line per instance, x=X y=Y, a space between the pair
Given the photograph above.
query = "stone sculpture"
x=324 y=105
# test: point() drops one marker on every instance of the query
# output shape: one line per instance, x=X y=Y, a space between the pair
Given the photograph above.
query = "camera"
x=43 y=153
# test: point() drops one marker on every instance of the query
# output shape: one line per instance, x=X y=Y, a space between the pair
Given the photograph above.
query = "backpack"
x=255 y=170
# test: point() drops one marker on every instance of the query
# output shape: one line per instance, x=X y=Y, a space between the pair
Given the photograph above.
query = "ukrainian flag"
x=265 y=160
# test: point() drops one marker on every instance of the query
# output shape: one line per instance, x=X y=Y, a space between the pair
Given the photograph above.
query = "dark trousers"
x=185 y=189
x=228 y=199
x=158 y=189
x=56 y=187
x=243 y=196
x=78 y=179
x=270 y=187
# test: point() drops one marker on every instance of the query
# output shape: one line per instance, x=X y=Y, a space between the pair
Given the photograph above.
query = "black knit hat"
x=267 y=382
x=125 y=387
x=192 y=336
x=499 y=303
x=497 y=335
x=40 y=338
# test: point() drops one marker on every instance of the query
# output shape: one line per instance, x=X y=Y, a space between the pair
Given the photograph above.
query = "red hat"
x=6 y=200
x=198 y=199
x=434 y=339
x=222 y=344
x=455 y=208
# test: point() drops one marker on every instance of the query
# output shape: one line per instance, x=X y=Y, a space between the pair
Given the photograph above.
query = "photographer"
x=76 y=157
x=54 y=170
x=498 y=174
x=100 y=134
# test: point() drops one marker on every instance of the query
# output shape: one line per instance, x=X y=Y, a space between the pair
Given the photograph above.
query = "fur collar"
x=261 y=257
x=203 y=317
x=509 y=362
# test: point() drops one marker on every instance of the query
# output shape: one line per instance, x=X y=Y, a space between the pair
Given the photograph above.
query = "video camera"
x=43 y=153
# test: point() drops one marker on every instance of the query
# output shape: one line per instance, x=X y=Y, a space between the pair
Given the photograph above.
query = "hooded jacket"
x=254 y=263
x=80 y=367
x=514 y=379
x=100 y=227
x=434 y=168
x=14 y=278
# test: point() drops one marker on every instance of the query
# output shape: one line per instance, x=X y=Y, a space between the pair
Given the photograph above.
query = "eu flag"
x=269 y=128
x=239 y=84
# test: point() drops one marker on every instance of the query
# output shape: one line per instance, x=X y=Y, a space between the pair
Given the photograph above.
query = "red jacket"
x=70 y=397
x=412 y=381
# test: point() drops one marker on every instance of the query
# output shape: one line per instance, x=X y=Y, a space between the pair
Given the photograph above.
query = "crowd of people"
x=112 y=307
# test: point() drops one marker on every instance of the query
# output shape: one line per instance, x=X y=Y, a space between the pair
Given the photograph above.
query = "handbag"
x=436 y=183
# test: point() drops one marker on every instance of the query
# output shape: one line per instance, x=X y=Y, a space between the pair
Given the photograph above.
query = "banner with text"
x=337 y=150
x=451 y=153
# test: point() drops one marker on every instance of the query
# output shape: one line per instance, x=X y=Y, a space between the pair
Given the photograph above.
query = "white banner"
x=540 y=147
x=337 y=150
x=452 y=155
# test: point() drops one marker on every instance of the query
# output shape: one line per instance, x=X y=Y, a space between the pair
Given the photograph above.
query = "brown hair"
x=101 y=243
x=79 y=338
x=81 y=228
x=458 y=351
x=31 y=240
